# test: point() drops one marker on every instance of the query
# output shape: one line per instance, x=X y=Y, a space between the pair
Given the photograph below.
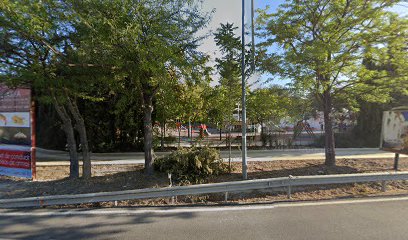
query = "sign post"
x=17 y=133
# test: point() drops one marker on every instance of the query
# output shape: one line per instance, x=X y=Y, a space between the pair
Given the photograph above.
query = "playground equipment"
x=300 y=126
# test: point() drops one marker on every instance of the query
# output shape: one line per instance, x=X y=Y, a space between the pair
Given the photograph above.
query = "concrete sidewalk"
x=57 y=158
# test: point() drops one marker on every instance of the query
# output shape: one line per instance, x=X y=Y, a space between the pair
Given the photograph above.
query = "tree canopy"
x=320 y=45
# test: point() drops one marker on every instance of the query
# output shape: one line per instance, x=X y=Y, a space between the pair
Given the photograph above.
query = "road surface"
x=370 y=219
x=48 y=157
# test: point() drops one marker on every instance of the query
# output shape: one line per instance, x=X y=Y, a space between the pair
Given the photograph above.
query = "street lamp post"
x=244 y=139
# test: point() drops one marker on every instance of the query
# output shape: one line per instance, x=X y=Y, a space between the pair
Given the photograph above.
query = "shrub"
x=192 y=165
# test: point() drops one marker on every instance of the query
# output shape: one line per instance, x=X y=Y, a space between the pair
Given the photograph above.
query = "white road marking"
x=52 y=212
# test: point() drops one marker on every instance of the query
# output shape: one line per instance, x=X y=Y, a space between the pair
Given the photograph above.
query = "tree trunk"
x=262 y=135
x=81 y=129
x=255 y=130
x=69 y=132
x=328 y=128
x=148 y=132
x=86 y=154
x=73 y=154
x=220 y=133
x=189 y=128
x=162 y=136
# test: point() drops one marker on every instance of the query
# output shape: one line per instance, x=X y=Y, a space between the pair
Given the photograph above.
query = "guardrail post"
x=226 y=197
x=384 y=186
x=171 y=185
x=289 y=192
x=289 y=187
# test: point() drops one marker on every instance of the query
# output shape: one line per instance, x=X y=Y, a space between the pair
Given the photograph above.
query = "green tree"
x=183 y=96
x=229 y=69
x=38 y=50
x=141 y=40
x=268 y=105
x=321 y=47
x=393 y=60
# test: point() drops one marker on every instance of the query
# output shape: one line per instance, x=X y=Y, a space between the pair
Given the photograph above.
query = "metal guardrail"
x=225 y=187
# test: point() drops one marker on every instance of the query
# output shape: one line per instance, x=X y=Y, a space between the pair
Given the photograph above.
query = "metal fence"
x=225 y=187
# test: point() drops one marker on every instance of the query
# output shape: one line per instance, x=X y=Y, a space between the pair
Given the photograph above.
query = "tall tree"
x=229 y=69
x=320 y=47
x=268 y=105
x=37 y=50
x=183 y=95
x=142 y=40
x=393 y=60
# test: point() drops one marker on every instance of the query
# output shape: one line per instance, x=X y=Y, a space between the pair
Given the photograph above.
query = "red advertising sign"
x=15 y=159
x=17 y=138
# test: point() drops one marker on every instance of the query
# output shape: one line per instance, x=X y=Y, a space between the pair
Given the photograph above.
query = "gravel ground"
x=52 y=180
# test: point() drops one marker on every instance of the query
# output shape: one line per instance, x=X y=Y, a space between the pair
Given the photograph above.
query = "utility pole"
x=244 y=140
x=253 y=35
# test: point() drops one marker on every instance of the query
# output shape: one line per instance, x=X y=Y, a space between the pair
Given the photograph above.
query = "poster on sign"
x=17 y=156
x=394 y=136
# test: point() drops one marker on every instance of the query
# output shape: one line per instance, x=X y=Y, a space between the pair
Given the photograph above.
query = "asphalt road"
x=370 y=219
x=48 y=157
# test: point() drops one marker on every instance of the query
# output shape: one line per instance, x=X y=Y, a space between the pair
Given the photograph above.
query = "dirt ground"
x=52 y=180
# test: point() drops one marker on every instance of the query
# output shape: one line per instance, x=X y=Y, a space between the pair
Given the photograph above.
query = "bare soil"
x=52 y=180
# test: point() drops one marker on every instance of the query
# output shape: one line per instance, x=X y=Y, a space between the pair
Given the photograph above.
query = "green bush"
x=192 y=165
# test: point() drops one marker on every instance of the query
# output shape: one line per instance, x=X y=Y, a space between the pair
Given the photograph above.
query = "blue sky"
x=230 y=11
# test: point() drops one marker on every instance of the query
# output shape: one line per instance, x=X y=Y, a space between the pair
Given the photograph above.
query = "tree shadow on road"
x=57 y=224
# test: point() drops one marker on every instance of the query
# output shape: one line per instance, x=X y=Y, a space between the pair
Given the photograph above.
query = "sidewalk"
x=57 y=158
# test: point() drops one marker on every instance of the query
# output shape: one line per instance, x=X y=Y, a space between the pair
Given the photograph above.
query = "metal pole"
x=189 y=127
x=239 y=116
x=253 y=34
x=179 y=132
x=33 y=139
x=229 y=147
x=244 y=143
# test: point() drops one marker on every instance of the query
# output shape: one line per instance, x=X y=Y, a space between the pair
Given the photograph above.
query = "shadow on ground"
x=134 y=178
x=76 y=226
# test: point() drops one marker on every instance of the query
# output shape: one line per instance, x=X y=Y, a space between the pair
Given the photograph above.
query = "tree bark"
x=328 y=128
x=73 y=154
x=70 y=135
x=220 y=133
x=255 y=130
x=262 y=135
x=81 y=129
x=162 y=136
x=148 y=132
